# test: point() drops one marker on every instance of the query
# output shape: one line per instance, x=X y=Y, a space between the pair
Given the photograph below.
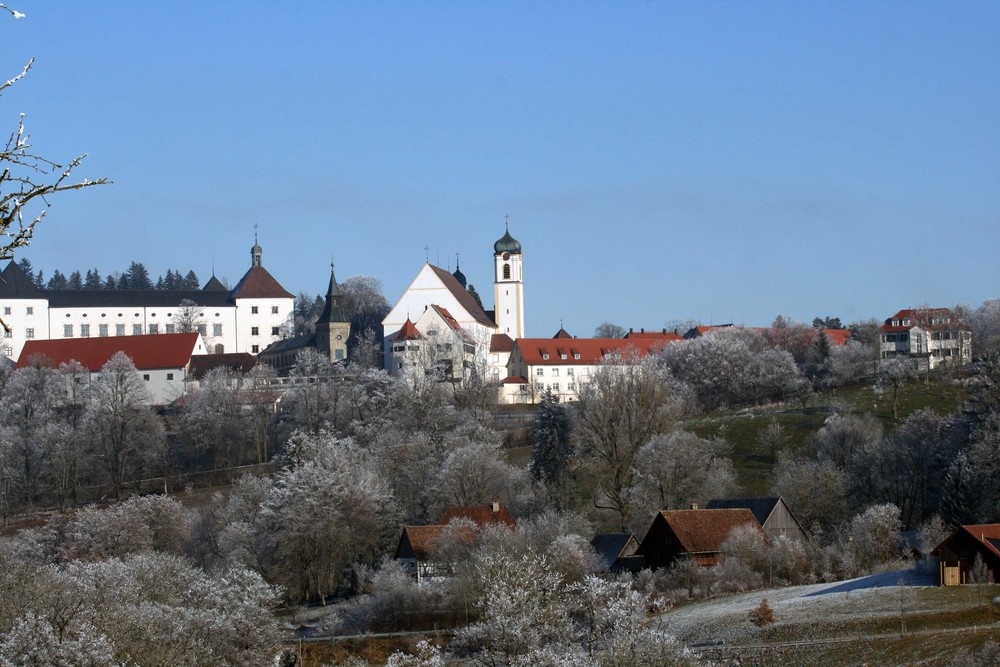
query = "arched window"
x=506 y=271
x=220 y=348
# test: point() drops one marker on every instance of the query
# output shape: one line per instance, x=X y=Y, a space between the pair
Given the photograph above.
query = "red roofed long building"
x=931 y=336
x=564 y=365
x=163 y=362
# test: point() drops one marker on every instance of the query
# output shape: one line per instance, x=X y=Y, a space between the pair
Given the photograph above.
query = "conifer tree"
x=551 y=438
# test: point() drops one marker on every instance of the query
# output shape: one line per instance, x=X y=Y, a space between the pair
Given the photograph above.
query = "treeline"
x=136 y=276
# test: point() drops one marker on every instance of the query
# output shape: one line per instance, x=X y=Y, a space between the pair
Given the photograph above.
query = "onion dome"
x=507 y=244
x=459 y=276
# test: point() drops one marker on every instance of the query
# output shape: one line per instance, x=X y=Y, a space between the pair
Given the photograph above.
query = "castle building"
x=247 y=318
x=438 y=323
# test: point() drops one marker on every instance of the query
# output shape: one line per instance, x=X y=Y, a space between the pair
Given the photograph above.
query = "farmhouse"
x=694 y=534
x=957 y=553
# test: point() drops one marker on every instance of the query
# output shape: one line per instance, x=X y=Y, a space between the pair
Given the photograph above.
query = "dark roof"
x=609 y=546
x=562 y=333
x=147 y=352
x=139 y=298
x=257 y=283
x=332 y=310
x=215 y=285
x=507 y=243
x=241 y=362
x=288 y=344
x=465 y=299
x=761 y=507
x=986 y=534
x=460 y=277
x=15 y=284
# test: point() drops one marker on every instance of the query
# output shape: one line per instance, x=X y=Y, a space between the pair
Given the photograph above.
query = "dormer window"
x=576 y=355
x=562 y=356
x=906 y=323
x=545 y=355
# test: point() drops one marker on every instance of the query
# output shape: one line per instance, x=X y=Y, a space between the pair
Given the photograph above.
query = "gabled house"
x=957 y=553
x=931 y=336
x=694 y=534
x=163 y=361
x=417 y=544
x=772 y=514
x=617 y=551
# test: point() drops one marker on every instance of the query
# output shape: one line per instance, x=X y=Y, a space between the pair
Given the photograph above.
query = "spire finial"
x=255 y=233
x=506 y=221
x=456 y=261
x=427 y=254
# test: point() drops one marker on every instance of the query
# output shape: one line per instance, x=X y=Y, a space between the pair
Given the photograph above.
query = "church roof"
x=147 y=352
x=289 y=344
x=214 y=285
x=465 y=299
x=15 y=284
x=257 y=283
x=460 y=277
x=501 y=343
x=562 y=333
x=332 y=310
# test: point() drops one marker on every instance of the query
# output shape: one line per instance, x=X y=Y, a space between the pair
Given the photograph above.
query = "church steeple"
x=333 y=328
x=508 y=288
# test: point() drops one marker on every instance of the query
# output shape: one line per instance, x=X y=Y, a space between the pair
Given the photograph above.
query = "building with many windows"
x=931 y=336
x=247 y=318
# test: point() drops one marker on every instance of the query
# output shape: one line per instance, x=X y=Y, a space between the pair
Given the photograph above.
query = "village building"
x=932 y=337
x=772 y=514
x=695 y=534
x=563 y=364
x=247 y=318
x=957 y=554
x=617 y=552
x=163 y=362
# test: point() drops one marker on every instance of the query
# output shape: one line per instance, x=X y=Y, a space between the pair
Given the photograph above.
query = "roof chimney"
x=496 y=506
x=642 y=330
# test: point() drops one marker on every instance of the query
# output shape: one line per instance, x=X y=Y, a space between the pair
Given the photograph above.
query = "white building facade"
x=933 y=337
x=245 y=319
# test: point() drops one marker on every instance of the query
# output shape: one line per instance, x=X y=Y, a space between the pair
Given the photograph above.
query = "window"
x=170 y=376
x=169 y=328
x=8 y=351
x=154 y=328
x=540 y=372
x=6 y=310
x=30 y=310
x=904 y=337
x=555 y=372
x=524 y=389
x=571 y=386
x=136 y=329
x=254 y=331
x=340 y=353
x=506 y=271
x=29 y=333
x=570 y=371
x=555 y=386
x=274 y=310
x=67 y=331
x=562 y=355
x=576 y=355
x=220 y=348
x=102 y=330
x=8 y=333
x=274 y=331
x=255 y=349
x=545 y=355
x=217 y=329
x=119 y=329
x=85 y=331
x=253 y=310
x=145 y=376
x=202 y=328
x=398 y=348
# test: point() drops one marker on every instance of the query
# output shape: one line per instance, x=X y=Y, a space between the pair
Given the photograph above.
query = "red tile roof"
x=838 y=336
x=501 y=343
x=480 y=515
x=259 y=284
x=514 y=379
x=421 y=539
x=579 y=351
x=923 y=317
x=465 y=299
x=147 y=352
x=407 y=332
x=667 y=336
x=704 y=531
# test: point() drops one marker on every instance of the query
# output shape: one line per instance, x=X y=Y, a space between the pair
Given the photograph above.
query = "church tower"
x=508 y=288
x=333 y=327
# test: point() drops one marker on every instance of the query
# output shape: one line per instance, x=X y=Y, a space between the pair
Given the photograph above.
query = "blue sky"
x=719 y=161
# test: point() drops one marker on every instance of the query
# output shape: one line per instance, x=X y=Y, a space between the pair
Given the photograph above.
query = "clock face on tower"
x=506 y=256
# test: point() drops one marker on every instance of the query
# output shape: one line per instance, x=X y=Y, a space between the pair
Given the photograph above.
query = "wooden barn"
x=772 y=514
x=694 y=534
x=958 y=552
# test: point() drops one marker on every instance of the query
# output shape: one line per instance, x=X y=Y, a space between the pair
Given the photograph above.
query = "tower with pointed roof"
x=333 y=328
x=508 y=286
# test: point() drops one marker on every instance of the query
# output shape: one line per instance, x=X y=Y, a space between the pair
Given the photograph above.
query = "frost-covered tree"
x=872 y=537
x=622 y=408
x=122 y=427
x=609 y=330
x=187 y=316
x=815 y=491
x=890 y=377
x=213 y=419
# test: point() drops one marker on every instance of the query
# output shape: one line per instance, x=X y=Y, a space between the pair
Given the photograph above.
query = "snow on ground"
x=725 y=619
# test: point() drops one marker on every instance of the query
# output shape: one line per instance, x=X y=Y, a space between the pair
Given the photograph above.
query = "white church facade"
x=437 y=316
x=247 y=318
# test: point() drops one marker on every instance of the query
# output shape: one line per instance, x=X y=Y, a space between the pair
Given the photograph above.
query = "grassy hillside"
x=741 y=427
